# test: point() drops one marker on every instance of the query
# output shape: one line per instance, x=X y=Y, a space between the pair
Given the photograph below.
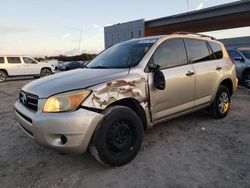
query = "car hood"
x=44 y=64
x=72 y=80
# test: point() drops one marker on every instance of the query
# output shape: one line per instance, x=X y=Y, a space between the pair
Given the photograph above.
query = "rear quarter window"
x=216 y=49
x=1 y=60
x=198 y=50
x=14 y=60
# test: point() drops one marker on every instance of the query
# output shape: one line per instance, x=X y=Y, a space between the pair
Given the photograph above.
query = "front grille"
x=29 y=100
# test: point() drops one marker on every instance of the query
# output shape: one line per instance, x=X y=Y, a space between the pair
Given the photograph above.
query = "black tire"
x=246 y=79
x=45 y=72
x=118 y=137
x=3 y=76
x=221 y=104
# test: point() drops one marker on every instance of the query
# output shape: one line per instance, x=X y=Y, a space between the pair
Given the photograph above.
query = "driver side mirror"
x=159 y=78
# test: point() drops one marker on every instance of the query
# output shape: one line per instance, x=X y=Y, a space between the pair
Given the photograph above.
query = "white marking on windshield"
x=147 y=41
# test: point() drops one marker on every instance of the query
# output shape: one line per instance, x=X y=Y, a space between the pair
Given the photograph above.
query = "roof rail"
x=190 y=33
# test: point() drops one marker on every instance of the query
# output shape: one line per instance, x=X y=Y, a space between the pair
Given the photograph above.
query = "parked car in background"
x=59 y=64
x=242 y=62
x=84 y=63
x=11 y=66
x=70 y=65
x=129 y=87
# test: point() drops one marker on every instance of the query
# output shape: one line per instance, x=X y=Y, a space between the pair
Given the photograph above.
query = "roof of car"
x=189 y=34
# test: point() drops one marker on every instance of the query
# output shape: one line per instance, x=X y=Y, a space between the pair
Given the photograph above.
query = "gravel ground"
x=191 y=151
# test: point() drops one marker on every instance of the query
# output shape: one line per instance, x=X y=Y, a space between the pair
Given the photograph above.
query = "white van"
x=11 y=66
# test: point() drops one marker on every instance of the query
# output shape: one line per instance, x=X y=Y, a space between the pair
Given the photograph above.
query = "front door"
x=178 y=94
x=31 y=66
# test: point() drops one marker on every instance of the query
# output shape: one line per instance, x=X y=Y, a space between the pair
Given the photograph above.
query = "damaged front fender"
x=105 y=94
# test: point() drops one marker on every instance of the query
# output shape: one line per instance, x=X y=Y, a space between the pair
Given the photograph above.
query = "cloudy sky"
x=52 y=27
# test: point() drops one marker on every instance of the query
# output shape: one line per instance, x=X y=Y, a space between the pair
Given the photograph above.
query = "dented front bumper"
x=67 y=132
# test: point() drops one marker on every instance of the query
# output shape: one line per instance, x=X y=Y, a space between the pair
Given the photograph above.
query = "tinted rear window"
x=1 y=59
x=198 y=50
x=217 y=50
x=14 y=60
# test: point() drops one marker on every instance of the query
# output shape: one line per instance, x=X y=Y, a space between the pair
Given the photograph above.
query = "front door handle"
x=189 y=73
x=218 y=68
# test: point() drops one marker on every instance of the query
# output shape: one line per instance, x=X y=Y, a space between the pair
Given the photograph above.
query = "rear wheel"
x=3 y=76
x=221 y=104
x=118 y=137
x=45 y=72
x=246 y=79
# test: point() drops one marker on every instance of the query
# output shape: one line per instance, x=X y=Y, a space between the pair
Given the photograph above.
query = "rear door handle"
x=218 y=68
x=189 y=73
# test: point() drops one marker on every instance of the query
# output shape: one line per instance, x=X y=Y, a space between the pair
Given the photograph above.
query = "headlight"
x=65 y=101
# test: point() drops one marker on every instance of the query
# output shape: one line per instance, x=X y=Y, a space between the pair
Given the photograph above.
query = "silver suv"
x=242 y=62
x=129 y=87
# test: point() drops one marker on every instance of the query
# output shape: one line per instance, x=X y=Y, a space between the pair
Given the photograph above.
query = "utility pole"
x=80 y=41
x=187 y=5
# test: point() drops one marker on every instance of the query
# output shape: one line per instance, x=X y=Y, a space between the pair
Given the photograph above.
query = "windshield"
x=66 y=63
x=246 y=53
x=122 y=55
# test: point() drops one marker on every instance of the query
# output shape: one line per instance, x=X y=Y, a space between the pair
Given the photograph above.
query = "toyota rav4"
x=129 y=87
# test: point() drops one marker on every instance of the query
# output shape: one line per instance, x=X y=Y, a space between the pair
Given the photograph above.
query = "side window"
x=233 y=54
x=1 y=60
x=14 y=60
x=29 y=60
x=170 y=53
x=198 y=50
x=217 y=50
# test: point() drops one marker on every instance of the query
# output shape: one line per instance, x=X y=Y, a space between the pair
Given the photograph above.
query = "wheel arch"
x=228 y=83
x=46 y=68
x=134 y=105
x=4 y=70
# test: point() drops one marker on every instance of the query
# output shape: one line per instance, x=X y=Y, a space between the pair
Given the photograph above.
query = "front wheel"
x=221 y=104
x=118 y=137
x=45 y=72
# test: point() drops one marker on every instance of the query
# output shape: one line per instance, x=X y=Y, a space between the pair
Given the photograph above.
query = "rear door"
x=178 y=94
x=15 y=67
x=207 y=68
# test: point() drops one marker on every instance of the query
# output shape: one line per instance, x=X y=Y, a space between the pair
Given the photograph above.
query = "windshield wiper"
x=98 y=67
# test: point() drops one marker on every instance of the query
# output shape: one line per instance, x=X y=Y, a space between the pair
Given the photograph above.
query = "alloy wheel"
x=223 y=102
x=2 y=77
